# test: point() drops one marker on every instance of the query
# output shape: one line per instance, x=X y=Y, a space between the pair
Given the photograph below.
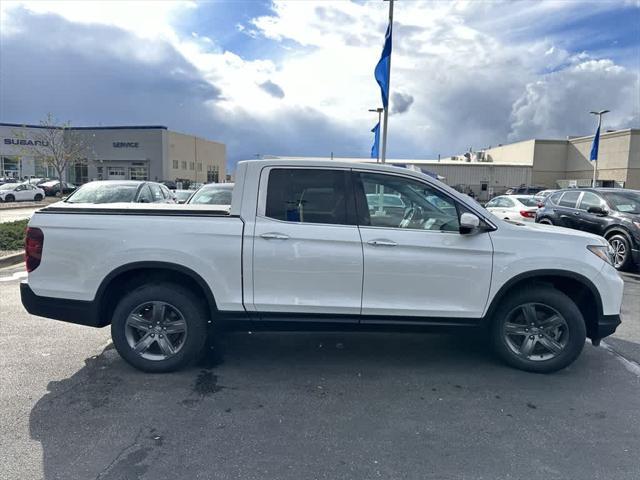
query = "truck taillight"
x=527 y=214
x=33 y=248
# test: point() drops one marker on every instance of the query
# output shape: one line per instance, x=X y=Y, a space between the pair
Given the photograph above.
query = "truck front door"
x=307 y=252
x=419 y=264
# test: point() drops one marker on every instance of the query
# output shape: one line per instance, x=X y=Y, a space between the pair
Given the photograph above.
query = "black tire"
x=37 y=198
x=9 y=198
x=545 y=221
x=192 y=309
x=546 y=297
x=619 y=243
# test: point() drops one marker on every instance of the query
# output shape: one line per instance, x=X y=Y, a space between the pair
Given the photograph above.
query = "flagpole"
x=595 y=146
x=383 y=157
x=595 y=164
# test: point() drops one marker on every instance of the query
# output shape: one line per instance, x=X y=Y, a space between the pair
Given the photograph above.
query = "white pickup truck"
x=320 y=244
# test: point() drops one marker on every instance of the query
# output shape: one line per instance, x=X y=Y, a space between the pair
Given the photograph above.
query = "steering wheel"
x=410 y=216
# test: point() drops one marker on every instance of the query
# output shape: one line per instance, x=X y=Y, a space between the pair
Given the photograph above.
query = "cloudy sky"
x=296 y=77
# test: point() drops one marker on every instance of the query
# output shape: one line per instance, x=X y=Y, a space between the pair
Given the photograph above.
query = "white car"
x=303 y=247
x=520 y=208
x=17 y=192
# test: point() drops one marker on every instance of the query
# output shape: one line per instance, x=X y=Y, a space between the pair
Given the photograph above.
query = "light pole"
x=596 y=144
x=379 y=111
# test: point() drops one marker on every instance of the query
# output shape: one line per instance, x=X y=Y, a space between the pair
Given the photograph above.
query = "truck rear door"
x=307 y=252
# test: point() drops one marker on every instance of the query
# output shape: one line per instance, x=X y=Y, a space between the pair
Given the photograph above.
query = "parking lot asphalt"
x=322 y=405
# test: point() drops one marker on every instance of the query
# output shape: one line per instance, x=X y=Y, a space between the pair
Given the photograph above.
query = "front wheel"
x=38 y=197
x=159 y=327
x=545 y=221
x=538 y=329
x=9 y=198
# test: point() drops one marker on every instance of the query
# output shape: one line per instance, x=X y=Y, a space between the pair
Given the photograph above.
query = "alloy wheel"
x=619 y=252
x=156 y=330
x=535 y=331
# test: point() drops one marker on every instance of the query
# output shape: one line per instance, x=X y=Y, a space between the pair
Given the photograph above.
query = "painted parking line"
x=15 y=276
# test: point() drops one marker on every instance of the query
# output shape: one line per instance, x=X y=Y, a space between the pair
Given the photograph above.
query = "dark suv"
x=612 y=213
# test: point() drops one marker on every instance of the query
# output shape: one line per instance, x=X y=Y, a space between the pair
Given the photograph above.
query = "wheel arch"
x=577 y=287
x=115 y=284
x=617 y=229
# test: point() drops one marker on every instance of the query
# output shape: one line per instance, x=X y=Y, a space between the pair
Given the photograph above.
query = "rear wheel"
x=539 y=329
x=621 y=251
x=9 y=198
x=159 y=327
x=545 y=221
x=38 y=197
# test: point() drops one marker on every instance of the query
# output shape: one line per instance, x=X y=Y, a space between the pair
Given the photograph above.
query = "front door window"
x=398 y=202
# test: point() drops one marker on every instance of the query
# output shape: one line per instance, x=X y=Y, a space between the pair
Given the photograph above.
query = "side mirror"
x=597 y=210
x=468 y=222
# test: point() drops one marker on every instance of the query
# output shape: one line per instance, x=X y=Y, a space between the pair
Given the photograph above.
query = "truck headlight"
x=605 y=252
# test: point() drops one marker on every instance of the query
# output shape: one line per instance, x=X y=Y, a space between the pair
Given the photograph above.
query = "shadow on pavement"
x=337 y=405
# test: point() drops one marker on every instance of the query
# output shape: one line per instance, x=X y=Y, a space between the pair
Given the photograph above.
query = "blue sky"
x=296 y=78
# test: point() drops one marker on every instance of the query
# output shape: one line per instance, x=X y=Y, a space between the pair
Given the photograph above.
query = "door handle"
x=576 y=213
x=274 y=236
x=382 y=243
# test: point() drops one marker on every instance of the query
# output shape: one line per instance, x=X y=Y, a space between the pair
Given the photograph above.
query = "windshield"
x=104 y=193
x=212 y=196
x=624 y=201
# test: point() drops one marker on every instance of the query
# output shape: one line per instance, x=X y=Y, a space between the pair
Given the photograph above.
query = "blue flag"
x=594 y=146
x=376 y=140
x=382 y=68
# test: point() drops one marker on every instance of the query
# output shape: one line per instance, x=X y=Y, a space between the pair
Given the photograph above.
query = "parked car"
x=283 y=259
x=182 y=195
x=514 y=207
x=212 y=194
x=17 y=192
x=612 y=213
x=524 y=190
x=117 y=191
x=52 y=188
x=8 y=180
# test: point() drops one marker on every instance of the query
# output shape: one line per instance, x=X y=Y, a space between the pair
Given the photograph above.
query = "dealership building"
x=116 y=153
x=545 y=163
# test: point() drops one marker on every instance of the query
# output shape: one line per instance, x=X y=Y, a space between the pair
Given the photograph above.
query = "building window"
x=175 y=164
x=213 y=174
x=81 y=173
x=184 y=164
x=199 y=167
x=139 y=173
x=192 y=166
x=10 y=167
x=116 y=173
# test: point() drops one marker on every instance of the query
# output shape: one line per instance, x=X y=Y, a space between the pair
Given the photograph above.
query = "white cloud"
x=562 y=100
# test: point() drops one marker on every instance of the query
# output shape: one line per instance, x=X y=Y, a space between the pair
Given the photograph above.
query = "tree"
x=59 y=146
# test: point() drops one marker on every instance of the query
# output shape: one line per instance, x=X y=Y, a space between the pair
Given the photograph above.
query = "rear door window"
x=590 y=199
x=309 y=196
x=569 y=199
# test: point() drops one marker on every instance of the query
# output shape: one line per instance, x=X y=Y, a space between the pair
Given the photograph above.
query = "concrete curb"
x=13 y=259
x=14 y=205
